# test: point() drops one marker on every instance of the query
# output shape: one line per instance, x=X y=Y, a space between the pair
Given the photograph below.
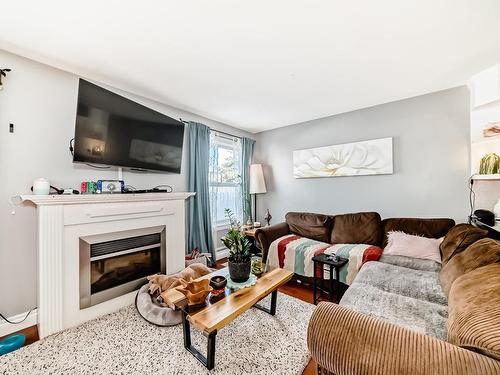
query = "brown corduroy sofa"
x=404 y=315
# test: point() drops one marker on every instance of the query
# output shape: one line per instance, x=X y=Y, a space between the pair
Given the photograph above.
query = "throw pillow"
x=430 y=228
x=480 y=253
x=400 y=243
x=474 y=311
x=459 y=238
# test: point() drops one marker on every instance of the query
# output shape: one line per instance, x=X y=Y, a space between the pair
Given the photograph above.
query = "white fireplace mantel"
x=63 y=218
x=46 y=200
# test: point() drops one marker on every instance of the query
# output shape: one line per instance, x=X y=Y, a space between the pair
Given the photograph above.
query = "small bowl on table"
x=219 y=284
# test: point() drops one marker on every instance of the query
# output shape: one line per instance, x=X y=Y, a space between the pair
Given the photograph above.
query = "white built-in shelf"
x=486 y=176
x=490 y=140
x=492 y=104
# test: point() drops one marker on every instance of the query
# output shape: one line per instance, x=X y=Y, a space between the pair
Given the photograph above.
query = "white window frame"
x=234 y=144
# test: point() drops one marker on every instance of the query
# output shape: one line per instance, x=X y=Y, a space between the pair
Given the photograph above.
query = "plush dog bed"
x=154 y=312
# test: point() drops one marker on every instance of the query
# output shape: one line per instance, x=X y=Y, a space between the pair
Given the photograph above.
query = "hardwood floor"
x=30 y=332
x=292 y=288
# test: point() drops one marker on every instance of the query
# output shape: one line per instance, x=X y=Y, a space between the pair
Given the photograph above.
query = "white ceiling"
x=261 y=64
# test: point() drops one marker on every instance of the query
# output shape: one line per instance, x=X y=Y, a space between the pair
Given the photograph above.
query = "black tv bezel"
x=126 y=167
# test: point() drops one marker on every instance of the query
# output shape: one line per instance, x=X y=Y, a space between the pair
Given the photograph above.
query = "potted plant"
x=239 y=250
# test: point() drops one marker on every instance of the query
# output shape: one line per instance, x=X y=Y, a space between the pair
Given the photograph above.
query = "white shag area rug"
x=124 y=343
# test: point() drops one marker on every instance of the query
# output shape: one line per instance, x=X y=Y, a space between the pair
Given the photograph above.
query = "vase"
x=239 y=271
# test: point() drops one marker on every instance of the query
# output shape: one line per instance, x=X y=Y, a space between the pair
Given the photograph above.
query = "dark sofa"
x=363 y=228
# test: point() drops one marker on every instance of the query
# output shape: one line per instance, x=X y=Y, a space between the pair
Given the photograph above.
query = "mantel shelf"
x=45 y=200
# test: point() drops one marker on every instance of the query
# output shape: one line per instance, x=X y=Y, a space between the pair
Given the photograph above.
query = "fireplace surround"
x=63 y=221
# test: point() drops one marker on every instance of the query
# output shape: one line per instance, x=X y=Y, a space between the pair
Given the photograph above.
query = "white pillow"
x=400 y=243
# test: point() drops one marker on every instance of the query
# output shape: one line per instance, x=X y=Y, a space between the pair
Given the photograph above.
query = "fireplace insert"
x=114 y=264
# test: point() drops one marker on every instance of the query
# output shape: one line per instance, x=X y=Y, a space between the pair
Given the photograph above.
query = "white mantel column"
x=50 y=269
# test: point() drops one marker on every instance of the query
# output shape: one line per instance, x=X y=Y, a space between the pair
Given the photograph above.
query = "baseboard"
x=7 y=328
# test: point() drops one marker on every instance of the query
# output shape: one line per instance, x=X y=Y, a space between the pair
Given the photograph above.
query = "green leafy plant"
x=237 y=243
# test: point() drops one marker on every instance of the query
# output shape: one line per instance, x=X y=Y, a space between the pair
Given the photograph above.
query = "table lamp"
x=257 y=185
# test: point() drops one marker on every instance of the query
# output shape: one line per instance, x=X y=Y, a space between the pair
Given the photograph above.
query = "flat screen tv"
x=113 y=130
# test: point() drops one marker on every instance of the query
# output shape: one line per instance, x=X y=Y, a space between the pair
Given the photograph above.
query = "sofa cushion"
x=474 y=309
x=362 y=227
x=458 y=239
x=418 y=284
x=431 y=228
x=314 y=226
x=480 y=253
x=412 y=263
x=421 y=316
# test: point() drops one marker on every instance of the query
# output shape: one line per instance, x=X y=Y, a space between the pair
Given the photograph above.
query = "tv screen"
x=113 y=130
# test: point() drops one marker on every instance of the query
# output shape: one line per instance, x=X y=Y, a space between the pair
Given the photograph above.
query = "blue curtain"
x=200 y=225
x=247 y=145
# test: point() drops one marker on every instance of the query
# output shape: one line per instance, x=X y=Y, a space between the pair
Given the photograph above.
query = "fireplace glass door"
x=114 y=264
x=117 y=270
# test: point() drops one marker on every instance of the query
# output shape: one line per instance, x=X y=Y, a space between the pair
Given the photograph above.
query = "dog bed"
x=155 y=312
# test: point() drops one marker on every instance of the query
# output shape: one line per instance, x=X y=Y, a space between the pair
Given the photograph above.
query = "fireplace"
x=114 y=264
x=65 y=220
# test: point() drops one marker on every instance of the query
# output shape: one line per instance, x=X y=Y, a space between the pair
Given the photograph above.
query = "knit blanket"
x=295 y=253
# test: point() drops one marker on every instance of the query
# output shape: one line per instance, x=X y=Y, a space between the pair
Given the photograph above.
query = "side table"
x=335 y=263
x=250 y=233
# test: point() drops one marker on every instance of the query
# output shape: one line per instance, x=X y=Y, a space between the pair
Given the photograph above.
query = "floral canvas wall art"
x=350 y=159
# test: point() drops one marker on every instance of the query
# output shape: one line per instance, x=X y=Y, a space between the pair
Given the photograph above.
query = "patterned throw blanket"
x=295 y=253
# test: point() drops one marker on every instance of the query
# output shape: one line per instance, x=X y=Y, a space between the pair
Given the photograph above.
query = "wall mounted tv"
x=113 y=130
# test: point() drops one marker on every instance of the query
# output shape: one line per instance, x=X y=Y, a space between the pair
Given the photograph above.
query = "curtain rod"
x=215 y=130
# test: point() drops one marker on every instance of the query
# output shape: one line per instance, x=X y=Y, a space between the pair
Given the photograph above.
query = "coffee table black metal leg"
x=186 y=331
x=211 y=350
x=209 y=360
x=272 y=310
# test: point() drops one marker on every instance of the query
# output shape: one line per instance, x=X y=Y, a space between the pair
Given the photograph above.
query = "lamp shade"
x=257 y=182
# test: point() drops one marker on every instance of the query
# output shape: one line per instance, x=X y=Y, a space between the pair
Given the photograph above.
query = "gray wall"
x=41 y=102
x=431 y=161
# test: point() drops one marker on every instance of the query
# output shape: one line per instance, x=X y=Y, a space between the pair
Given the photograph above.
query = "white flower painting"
x=349 y=159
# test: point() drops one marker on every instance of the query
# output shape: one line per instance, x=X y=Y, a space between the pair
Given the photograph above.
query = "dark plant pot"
x=239 y=272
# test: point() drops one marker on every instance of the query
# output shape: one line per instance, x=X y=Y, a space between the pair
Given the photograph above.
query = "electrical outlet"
x=11 y=128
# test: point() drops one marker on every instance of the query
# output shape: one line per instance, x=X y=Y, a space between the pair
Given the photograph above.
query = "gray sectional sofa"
x=404 y=291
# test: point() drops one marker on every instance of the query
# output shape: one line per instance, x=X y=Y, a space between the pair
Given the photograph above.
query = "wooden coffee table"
x=220 y=312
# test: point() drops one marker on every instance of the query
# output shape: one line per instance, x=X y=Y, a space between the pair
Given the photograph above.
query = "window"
x=225 y=177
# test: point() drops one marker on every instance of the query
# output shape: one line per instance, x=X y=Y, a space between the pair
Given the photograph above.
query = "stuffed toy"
x=161 y=283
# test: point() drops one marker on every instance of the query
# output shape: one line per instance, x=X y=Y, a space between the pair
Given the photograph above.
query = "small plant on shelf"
x=239 y=249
